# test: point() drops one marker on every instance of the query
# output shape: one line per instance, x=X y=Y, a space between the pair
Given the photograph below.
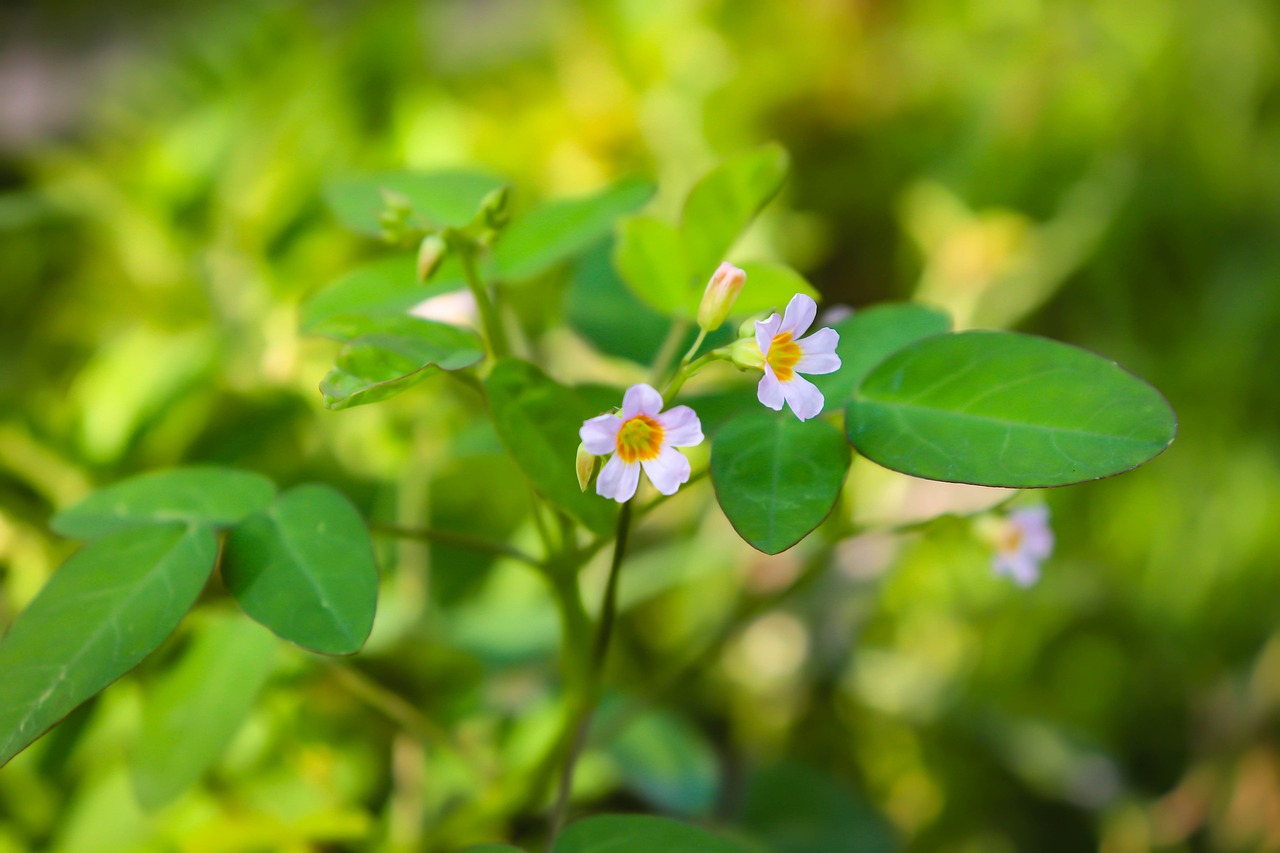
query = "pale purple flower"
x=786 y=355
x=641 y=436
x=457 y=308
x=1022 y=540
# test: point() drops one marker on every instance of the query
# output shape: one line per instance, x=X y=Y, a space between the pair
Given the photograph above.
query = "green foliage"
x=304 y=568
x=777 y=478
x=207 y=496
x=436 y=200
x=668 y=762
x=869 y=337
x=651 y=259
x=105 y=610
x=796 y=809
x=723 y=203
x=386 y=286
x=999 y=409
x=639 y=834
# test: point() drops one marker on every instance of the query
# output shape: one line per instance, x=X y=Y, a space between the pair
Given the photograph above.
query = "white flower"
x=786 y=355
x=1022 y=541
x=642 y=436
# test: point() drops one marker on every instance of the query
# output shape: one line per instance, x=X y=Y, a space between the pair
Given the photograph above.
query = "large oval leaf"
x=438 y=199
x=557 y=231
x=304 y=567
x=386 y=286
x=197 y=495
x=199 y=704
x=776 y=478
x=870 y=336
x=1003 y=409
x=639 y=834
x=723 y=203
x=538 y=421
x=100 y=614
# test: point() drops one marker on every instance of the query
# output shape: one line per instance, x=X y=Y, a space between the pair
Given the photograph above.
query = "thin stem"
x=495 y=334
x=391 y=706
x=452 y=537
x=667 y=352
x=595 y=674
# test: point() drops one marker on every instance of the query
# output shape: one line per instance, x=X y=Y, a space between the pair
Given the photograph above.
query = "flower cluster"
x=643 y=436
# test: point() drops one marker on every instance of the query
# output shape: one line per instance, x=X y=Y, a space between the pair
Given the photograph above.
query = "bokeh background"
x=1106 y=173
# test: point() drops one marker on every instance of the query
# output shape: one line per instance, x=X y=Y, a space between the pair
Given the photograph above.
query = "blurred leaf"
x=493 y=848
x=538 y=421
x=650 y=258
x=198 y=495
x=1003 y=409
x=100 y=614
x=796 y=809
x=769 y=287
x=387 y=354
x=438 y=199
x=639 y=834
x=386 y=286
x=776 y=477
x=304 y=568
x=557 y=231
x=723 y=203
x=668 y=762
x=872 y=335
x=193 y=711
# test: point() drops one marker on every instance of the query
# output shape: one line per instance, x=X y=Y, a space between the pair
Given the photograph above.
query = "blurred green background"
x=1106 y=173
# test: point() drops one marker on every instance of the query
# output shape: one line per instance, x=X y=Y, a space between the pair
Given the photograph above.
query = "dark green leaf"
x=668 y=762
x=796 y=809
x=1001 y=409
x=493 y=848
x=304 y=568
x=192 y=712
x=198 y=495
x=538 y=422
x=438 y=199
x=650 y=258
x=105 y=610
x=776 y=478
x=386 y=286
x=639 y=834
x=723 y=203
x=389 y=353
x=869 y=337
x=555 y=232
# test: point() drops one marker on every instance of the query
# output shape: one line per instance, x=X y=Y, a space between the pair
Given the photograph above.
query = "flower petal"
x=821 y=342
x=667 y=470
x=799 y=316
x=827 y=362
x=1020 y=568
x=680 y=427
x=600 y=434
x=765 y=330
x=769 y=391
x=641 y=400
x=618 y=480
x=803 y=397
x=1037 y=536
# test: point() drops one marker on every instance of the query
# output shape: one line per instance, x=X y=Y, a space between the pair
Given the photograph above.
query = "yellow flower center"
x=1009 y=538
x=640 y=439
x=783 y=356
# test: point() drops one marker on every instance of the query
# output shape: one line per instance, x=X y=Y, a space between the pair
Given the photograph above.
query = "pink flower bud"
x=722 y=291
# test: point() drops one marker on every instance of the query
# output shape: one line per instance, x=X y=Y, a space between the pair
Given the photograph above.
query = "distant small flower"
x=1022 y=541
x=785 y=355
x=717 y=300
x=641 y=436
x=457 y=308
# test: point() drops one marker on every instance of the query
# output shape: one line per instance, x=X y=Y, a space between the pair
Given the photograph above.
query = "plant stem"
x=595 y=672
x=452 y=537
x=667 y=352
x=495 y=334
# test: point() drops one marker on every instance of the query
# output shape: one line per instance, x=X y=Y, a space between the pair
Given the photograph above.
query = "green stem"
x=495 y=334
x=581 y=719
x=451 y=537
x=667 y=352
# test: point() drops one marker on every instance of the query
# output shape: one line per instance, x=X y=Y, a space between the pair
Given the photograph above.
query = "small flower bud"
x=431 y=252
x=722 y=291
x=494 y=207
x=745 y=352
x=586 y=466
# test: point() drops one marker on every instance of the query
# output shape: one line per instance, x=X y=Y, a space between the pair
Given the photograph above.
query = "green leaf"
x=304 y=567
x=769 y=287
x=538 y=421
x=386 y=286
x=639 y=834
x=493 y=848
x=796 y=809
x=387 y=354
x=668 y=762
x=723 y=203
x=555 y=232
x=100 y=614
x=197 y=495
x=776 y=478
x=869 y=337
x=649 y=255
x=438 y=199
x=199 y=704
x=1002 y=409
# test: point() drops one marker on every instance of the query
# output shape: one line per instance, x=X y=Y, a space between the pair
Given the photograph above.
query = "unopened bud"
x=494 y=207
x=586 y=467
x=430 y=253
x=722 y=291
x=746 y=353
